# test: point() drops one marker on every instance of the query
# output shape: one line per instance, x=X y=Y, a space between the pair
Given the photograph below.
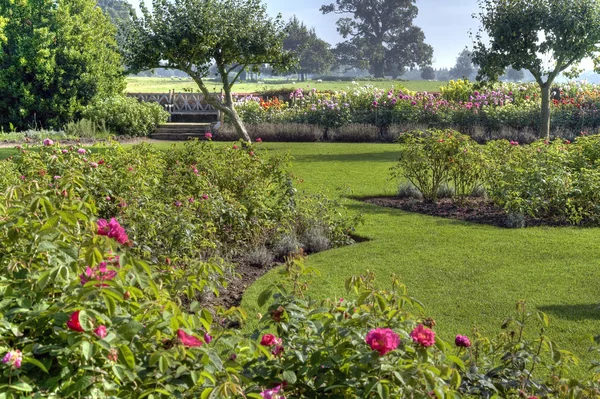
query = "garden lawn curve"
x=465 y=274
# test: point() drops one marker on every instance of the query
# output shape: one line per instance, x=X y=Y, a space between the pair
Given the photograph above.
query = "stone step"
x=181 y=131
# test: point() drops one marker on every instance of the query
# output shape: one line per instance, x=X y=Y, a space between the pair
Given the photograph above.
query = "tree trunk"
x=378 y=69
x=545 y=122
x=302 y=77
x=235 y=118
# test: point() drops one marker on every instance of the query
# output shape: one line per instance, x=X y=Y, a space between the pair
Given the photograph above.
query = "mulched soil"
x=474 y=210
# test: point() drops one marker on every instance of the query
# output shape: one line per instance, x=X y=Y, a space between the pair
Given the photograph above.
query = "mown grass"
x=163 y=85
x=466 y=274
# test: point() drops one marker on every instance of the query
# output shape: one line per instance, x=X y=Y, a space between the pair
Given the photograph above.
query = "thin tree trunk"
x=545 y=114
x=235 y=118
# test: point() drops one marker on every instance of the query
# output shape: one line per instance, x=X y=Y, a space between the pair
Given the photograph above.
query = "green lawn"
x=163 y=85
x=466 y=274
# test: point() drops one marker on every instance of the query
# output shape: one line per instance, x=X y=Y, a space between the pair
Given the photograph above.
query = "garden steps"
x=180 y=131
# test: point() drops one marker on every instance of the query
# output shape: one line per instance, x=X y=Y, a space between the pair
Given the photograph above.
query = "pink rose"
x=423 y=336
x=271 y=393
x=207 y=338
x=208 y=136
x=270 y=340
x=48 y=142
x=81 y=151
x=73 y=322
x=188 y=340
x=382 y=340
x=13 y=358
x=462 y=341
x=258 y=140
x=100 y=332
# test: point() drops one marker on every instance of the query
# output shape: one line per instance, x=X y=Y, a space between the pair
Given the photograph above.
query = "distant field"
x=163 y=85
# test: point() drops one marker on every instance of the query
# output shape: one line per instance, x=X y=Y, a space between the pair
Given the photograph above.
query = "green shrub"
x=126 y=116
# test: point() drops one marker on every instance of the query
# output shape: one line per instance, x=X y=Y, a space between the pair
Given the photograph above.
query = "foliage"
x=545 y=37
x=314 y=54
x=428 y=73
x=430 y=160
x=464 y=68
x=381 y=35
x=126 y=116
x=43 y=81
x=189 y=34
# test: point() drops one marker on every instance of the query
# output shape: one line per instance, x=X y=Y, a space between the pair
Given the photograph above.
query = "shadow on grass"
x=362 y=157
x=576 y=312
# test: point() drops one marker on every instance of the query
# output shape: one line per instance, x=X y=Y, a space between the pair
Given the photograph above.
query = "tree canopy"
x=545 y=37
x=464 y=67
x=55 y=58
x=314 y=55
x=380 y=36
x=189 y=35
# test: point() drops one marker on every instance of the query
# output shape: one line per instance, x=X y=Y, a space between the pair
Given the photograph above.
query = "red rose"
x=188 y=340
x=73 y=322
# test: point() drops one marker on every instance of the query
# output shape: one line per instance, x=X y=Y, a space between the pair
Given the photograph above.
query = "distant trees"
x=464 y=67
x=117 y=10
x=314 y=55
x=427 y=73
x=380 y=36
x=514 y=75
x=545 y=37
x=55 y=58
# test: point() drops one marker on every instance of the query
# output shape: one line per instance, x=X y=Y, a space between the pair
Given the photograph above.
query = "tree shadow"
x=576 y=312
x=362 y=157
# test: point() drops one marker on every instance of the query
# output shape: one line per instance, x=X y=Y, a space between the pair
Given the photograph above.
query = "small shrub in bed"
x=409 y=190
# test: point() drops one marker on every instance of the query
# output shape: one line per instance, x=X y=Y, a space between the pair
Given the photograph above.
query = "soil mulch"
x=472 y=209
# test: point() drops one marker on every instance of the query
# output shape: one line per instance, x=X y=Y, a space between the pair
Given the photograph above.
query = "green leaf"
x=36 y=363
x=206 y=393
x=289 y=376
x=87 y=350
x=456 y=360
x=79 y=385
x=21 y=386
x=111 y=306
x=126 y=356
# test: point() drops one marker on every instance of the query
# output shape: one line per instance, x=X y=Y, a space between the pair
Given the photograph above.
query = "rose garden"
x=368 y=242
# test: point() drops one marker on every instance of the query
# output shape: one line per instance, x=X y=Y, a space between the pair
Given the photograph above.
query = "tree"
x=117 y=10
x=427 y=73
x=380 y=36
x=189 y=35
x=55 y=58
x=314 y=55
x=545 y=37
x=514 y=75
x=464 y=66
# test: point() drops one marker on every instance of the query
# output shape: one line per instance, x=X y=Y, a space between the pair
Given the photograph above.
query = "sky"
x=446 y=23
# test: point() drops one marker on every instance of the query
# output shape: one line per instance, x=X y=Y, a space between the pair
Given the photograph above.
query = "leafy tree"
x=427 y=73
x=55 y=58
x=117 y=10
x=545 y=37
x=380 y=36
x=514 y=75
x=189 y=35
x=464 y=66
x=314 y=55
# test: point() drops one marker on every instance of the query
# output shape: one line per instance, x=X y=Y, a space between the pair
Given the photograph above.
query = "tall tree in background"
x=545 y=37
x=427 y=73
x=380 y=35
x=55 y=58
x=117 y=10
x=314 y=55
x=514 y=75
x=189 y=35
x=464 y=67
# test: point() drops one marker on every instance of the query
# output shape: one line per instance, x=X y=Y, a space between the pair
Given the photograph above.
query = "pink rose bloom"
x=107 y=198
x=98 y=273
x=81 y=151
x=205 y=196
x=48 y=142
x=116 y=231
x=278 y=350
x=382 y=340
x=423 y=336
x=270 y=340
x=93 y=165
x=100 y=332
x=208 y=338
x=462 y=341
x=258 y=140
x=235 y=147
x=102 y=227
x=208 y=136
x=73 y=322
x=514 y=142
x=272 y=393
x=56 y=177
x=13 y=358
x=188 y=340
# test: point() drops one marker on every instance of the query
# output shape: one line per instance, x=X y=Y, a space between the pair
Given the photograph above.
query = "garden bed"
x=472 y=209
